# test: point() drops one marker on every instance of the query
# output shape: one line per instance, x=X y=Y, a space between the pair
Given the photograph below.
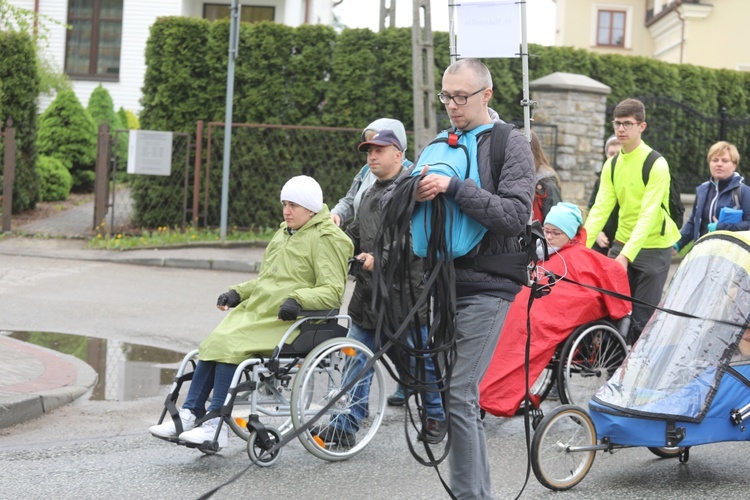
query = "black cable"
x=437 y=295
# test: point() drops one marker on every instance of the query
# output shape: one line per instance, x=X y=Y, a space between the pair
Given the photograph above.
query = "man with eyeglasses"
x=645 y=231
x=482 y=297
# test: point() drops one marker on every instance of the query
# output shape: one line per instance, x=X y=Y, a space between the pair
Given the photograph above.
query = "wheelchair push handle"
x=323 y=313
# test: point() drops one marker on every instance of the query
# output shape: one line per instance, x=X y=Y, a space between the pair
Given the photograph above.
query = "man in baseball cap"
x=382 y=138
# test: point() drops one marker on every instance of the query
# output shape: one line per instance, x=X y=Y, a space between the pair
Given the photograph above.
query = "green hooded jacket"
x=308 y=266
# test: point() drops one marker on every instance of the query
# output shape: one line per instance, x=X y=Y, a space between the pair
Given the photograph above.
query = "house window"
x=611 y=28
x=248 y=13
x=94 y=40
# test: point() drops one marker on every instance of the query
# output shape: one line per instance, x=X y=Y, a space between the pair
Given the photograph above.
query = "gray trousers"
x=479 y=321
x=647 y=275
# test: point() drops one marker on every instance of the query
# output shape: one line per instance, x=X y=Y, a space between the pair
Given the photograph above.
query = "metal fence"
x=263 y=158
x=136 y=201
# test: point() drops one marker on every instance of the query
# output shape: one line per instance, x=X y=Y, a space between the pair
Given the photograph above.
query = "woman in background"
x=547 y=192
x=722 y=202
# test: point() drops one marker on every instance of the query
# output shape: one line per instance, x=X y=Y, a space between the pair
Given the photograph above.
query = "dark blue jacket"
x=706 y=193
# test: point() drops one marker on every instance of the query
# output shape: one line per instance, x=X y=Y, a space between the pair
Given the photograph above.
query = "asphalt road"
x=100 y=448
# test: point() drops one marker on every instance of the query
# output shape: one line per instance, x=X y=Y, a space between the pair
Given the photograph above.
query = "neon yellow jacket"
x=641 y=216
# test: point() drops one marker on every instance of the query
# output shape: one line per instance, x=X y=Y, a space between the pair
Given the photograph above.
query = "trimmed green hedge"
x=310 y=75
x=18 y=101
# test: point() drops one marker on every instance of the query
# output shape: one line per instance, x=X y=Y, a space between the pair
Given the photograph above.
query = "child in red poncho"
x=554 y=316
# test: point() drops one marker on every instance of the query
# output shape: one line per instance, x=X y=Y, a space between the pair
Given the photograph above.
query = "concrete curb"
x=234 y=258
x=20 y=405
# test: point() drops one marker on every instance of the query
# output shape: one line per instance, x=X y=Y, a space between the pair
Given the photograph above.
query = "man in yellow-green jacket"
x=645 y=231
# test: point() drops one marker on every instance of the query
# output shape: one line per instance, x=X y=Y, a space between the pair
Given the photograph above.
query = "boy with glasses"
x=645 y=231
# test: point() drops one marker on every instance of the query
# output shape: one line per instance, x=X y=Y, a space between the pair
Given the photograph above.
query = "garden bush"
x=102 y=110
x=18 y=101
x=128 y=119
x=68 y=133
x=55 y=180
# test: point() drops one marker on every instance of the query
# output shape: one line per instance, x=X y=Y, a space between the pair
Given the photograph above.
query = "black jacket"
x=363 y=231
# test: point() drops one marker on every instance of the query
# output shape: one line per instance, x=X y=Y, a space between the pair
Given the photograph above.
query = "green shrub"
x=102 y=110
x=55 y=180
x=128 y=119
x=68 y=133
x=18 y=72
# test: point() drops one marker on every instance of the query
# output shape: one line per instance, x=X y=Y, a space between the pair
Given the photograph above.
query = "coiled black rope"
x=437 y=295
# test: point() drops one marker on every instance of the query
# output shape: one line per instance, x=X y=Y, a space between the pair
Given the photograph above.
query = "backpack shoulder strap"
x=737 y=195
x=612 y=167
x=498 y=144
x=648 y=163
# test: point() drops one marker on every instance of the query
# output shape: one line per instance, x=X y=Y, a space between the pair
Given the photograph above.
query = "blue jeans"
x=361 y=391
x=209 y=375
x=479 y=321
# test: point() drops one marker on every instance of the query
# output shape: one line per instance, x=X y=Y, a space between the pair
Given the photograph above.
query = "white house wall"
x=138 y=16
x=194 y=8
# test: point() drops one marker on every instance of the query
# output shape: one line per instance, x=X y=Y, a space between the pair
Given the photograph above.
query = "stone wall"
x=577 y=105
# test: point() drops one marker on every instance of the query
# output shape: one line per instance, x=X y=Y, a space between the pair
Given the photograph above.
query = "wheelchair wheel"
x=555 y=465
x=540 y=389
x=589 y=357
x=272 y=406
x=255 y=448
x=319 y=381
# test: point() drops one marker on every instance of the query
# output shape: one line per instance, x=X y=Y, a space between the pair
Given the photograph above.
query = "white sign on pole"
x=149 y=152
x=488 y=29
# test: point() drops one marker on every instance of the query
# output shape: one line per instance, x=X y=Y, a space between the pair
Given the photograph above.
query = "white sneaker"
x=167 y=429
x=206 y=432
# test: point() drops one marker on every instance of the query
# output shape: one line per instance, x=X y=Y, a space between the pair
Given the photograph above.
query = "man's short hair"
x=719 y=148
x=481 y=74
x=631 y=107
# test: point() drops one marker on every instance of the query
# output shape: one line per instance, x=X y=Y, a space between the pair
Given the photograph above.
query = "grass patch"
x=165 y=236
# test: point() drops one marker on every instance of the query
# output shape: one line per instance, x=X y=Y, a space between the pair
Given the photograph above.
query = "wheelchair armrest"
x=324 y=313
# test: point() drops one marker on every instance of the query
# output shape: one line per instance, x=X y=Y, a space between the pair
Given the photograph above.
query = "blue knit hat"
x=565 y=216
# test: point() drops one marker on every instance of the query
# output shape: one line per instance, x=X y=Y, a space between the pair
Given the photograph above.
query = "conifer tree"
x=68 y=133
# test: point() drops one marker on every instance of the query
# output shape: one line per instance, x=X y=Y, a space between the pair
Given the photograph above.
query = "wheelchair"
x=582 y=363
x=272 y=396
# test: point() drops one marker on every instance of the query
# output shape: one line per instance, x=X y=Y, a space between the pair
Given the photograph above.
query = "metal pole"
x=9 y=173
x=452 y=30
x=423 y=76
x=234 y=35
x=526 y=102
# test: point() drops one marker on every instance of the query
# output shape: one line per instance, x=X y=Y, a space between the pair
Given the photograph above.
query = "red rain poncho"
x=553 y=318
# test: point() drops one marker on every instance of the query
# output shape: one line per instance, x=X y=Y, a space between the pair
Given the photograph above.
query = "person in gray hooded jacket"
x=347 y=207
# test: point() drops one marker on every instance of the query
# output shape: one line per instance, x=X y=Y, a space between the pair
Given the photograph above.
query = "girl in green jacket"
x=304 y=267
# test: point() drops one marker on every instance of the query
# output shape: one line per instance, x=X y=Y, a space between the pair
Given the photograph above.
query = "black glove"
x=289 y=309
x=230 y=299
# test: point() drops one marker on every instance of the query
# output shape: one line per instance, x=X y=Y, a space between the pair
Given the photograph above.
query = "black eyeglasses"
x=460 y=100
x=626 y=125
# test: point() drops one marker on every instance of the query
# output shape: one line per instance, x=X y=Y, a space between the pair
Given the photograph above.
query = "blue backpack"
x=452 y=155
